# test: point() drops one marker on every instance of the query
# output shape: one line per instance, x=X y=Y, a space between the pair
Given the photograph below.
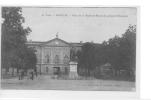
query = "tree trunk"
x=118 y=72
x=17 y=70
x=40 y=69
x=12 y=71
x=114 y=72
x=7 y=70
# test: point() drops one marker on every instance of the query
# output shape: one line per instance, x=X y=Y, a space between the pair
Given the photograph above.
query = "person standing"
x=32 y=75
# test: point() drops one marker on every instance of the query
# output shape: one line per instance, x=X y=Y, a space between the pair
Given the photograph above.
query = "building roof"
x=45 y=42
x=76 y=44
x=34 y=43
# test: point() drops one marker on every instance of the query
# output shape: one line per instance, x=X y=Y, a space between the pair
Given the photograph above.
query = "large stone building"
x=53 y=56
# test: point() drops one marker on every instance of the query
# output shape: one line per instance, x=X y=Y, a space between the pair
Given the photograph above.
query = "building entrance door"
x=56 y=70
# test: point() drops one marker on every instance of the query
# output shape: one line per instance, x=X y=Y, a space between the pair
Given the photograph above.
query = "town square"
x=69 y=48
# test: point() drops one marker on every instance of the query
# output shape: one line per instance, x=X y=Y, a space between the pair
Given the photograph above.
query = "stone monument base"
x=73 y=75
x=73 y=70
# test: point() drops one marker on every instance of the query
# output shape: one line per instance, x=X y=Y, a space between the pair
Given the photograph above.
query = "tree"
x=14 y=38
x=128 y=46
x=30 y=59
x=122 y=50
x=86 y=58
x=114 y=53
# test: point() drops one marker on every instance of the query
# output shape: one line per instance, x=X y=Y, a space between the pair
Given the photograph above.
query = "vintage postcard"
x=69 y=48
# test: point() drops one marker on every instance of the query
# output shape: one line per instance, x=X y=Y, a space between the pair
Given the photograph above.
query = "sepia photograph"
x=68 y=48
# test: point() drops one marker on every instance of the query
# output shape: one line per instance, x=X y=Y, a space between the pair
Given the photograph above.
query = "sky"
x=77 y=24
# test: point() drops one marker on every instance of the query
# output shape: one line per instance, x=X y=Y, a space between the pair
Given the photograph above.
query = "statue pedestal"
x=73 y=70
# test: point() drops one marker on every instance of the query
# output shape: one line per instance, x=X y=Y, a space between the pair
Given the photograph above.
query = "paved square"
x=47 y=83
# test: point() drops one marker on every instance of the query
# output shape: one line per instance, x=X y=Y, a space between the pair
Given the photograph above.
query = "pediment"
x=56 y=42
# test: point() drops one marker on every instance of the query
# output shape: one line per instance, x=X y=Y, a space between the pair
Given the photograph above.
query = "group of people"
x=30 y=74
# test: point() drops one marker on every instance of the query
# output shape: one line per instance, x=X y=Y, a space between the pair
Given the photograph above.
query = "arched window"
x=56 y=60
x=66 y=59
x=47 y=59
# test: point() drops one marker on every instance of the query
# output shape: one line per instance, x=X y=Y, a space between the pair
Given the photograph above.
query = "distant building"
x=53 y=56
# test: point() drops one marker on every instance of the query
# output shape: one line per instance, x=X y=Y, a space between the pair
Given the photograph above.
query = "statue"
x=57 y=35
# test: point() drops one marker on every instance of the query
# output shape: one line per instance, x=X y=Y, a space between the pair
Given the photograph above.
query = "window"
x=47 y=59
x=56 y=60
x=66 y=59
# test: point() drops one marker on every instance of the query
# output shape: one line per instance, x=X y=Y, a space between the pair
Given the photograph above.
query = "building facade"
x=53 y=56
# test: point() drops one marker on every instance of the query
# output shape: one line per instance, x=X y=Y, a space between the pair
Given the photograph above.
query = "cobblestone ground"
x=47 y=83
